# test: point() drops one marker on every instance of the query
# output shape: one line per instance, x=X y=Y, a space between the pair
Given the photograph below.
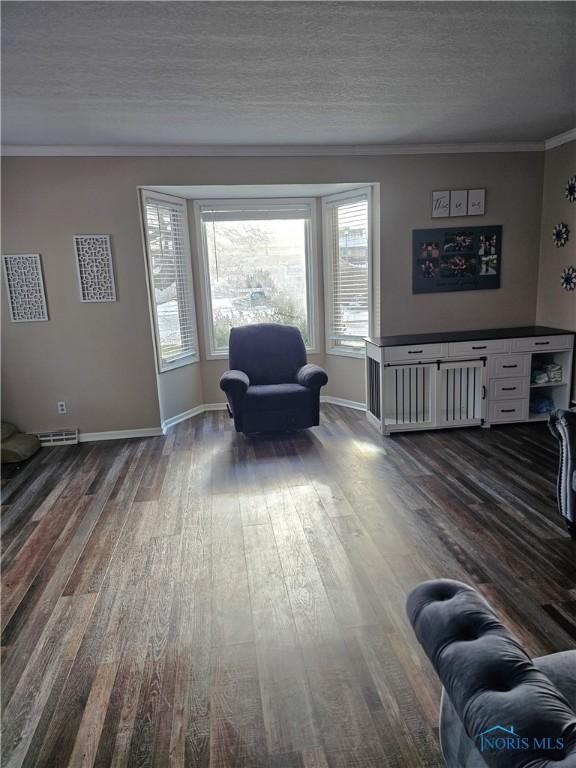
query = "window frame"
x=193 y=356
x=328 y=277
x=312 y=299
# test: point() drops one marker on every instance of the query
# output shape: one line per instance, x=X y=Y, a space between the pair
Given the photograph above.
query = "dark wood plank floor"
x=202 y=599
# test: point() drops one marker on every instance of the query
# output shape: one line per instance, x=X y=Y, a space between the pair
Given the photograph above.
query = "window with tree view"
x=257 y=263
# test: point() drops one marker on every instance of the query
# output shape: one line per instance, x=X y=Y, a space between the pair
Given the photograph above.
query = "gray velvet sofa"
x=562 y=424
x=499 y=708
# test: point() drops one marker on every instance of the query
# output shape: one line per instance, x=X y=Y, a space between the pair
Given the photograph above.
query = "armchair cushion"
x=268 y=353
x=312 y=376
x=278 y=397
x=234 y=382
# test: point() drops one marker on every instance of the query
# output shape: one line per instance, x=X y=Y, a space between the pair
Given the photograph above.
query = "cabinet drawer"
x=541 y=343
x=508 y=410
x=478 y=348
x=504 y=389
x=414 y=352
x=504 y=366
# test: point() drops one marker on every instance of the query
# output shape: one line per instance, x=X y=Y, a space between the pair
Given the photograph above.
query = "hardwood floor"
x=202 y=599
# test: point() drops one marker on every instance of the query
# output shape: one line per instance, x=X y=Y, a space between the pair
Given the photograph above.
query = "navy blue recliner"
x=270 y=386
x=499 y=708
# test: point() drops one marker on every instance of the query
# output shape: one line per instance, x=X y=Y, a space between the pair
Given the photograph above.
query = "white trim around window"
x=339 y=342
x=173 y=253
x=262 y=208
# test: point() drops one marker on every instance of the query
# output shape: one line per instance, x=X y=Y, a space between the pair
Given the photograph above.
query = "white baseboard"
x=192 y=412
x=119 y=434
x=214 y=407
x=123 y=434
x=344 y=403
x=222 y=406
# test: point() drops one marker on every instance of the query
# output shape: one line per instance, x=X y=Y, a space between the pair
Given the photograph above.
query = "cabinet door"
x=409 y=396
x=461 y=393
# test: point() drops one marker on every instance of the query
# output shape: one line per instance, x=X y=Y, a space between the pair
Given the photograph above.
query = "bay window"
x=258 y=266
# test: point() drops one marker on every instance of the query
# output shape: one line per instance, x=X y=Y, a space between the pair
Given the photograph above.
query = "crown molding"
x=562 y=138
x=285 y=150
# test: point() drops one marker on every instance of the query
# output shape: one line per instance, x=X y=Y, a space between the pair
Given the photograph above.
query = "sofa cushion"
x=277 y=397
x=459 y=749
x=491 y=681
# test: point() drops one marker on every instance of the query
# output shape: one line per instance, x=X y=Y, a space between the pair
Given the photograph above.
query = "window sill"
x=224 y=355
x=178 y=363
x=356 y=354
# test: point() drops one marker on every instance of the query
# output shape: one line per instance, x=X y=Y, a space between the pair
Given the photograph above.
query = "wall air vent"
x=58 y=437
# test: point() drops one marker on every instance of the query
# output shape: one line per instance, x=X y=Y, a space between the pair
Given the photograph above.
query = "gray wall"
x=99 y=358
x=557 y=307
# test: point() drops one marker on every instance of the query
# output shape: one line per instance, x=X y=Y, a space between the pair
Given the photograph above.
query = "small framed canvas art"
x=441 y=204
x=476 y=202
x=459 y=202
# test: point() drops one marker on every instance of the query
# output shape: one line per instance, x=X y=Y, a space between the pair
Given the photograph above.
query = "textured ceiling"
x=126 y=73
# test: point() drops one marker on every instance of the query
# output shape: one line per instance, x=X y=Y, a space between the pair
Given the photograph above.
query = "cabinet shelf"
x=549 y=384
x=539 y=416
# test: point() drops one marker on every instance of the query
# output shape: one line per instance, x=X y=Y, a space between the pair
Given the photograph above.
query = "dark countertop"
x=490 y=333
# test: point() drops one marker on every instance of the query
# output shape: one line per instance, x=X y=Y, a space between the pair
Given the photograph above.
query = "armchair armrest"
x=234 y=383
x=312 y=376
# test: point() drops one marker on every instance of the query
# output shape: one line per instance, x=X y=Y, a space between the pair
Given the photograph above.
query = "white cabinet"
x=465 y=382
x=501 y=366
x=507 y=410
x=414 y=352
x=471 y=348
x=542 y=343
x=509 y=388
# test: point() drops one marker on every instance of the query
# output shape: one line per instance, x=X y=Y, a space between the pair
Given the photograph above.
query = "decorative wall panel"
x=25 y=287
x=95 y=270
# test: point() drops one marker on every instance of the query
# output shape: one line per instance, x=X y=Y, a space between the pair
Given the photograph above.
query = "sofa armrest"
x=312 y=376
x=234 y=383
x=492 y=683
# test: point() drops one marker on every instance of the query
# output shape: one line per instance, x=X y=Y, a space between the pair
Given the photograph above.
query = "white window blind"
x=170 y=280
x=347 y=248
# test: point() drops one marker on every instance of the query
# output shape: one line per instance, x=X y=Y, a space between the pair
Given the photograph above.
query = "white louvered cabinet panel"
x=461 y=393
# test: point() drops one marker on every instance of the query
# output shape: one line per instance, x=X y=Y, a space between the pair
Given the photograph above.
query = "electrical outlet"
x=61 y=407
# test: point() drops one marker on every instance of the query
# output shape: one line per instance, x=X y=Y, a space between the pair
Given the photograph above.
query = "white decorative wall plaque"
x=440 y=204
x=25 y=287
x=476 y=202
x=459 y=202
x=95 y=270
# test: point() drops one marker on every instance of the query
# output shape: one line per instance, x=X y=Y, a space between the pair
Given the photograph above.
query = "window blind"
x=347 y=246
x=263 y=211
x=170 y=278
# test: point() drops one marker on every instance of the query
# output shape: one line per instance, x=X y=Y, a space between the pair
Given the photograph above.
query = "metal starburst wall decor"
x=570 y=190
x=568 y=278
x=560 y=234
